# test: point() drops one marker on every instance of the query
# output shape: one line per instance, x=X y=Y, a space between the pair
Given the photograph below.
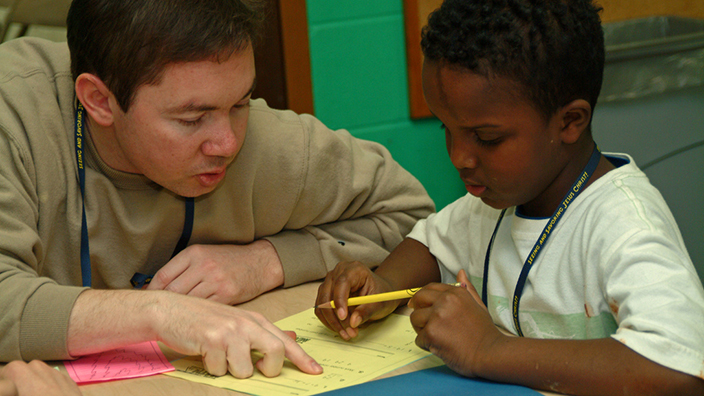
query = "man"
x=149 y=143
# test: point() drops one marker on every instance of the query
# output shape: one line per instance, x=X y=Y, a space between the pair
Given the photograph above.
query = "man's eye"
x=189 y=122
x=241 y=105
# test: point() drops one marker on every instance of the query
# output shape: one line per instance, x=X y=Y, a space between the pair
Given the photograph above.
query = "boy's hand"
x=349 y=279
x=453 y=324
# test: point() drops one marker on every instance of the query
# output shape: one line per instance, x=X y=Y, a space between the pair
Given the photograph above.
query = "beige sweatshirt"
x=320 y=196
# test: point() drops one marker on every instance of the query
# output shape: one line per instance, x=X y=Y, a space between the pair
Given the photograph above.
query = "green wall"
x=358 y=67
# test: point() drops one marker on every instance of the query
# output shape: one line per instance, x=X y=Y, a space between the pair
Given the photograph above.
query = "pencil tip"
x=326 y=305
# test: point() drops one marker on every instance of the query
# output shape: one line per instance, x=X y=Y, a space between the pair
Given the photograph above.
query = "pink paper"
x=139 y=360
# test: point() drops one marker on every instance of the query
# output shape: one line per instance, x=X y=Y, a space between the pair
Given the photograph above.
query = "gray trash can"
x=652 y=107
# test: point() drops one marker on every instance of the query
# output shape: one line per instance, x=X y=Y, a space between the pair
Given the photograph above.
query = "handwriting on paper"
x=139 y=360
x=380 y=347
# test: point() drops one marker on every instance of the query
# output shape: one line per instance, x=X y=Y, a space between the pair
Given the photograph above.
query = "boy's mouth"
x=475 y=189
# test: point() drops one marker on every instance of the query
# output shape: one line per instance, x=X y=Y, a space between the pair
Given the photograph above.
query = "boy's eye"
x=486 y=142
x=480 y=141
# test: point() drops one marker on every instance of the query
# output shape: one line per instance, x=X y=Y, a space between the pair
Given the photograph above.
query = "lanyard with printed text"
x=85 y=249
x=542 y=240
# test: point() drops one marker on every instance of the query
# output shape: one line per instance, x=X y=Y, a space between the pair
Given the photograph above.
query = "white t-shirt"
x=615 y=265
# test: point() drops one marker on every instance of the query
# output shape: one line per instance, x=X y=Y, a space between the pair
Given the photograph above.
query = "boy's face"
x=183 y=132
x=505 y=151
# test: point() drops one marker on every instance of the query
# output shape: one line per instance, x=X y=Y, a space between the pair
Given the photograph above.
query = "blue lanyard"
x=85 y=250
x=140 y=279
x=542 y=240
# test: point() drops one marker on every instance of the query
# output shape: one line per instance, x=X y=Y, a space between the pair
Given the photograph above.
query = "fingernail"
x=355 y=321
x=341 y=314
x=344 y=335
x=316 y=367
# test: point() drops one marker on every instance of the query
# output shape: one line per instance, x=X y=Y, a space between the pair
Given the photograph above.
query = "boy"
x=572 y=250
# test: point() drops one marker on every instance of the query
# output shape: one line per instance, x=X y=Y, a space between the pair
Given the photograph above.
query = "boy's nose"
x=461 y=152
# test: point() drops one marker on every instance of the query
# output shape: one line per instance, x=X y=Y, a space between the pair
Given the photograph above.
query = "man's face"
x=504 y=150
x=183 y=132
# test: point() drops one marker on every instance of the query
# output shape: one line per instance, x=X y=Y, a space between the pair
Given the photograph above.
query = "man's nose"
x=222 y=140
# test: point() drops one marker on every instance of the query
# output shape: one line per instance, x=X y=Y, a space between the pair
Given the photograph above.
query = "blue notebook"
x=433 y=381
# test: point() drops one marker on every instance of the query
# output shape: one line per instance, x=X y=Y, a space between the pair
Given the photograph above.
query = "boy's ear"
x=576 y=116
x=95 y=96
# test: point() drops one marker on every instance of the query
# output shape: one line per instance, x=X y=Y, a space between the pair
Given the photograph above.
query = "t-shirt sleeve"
x=657 y=300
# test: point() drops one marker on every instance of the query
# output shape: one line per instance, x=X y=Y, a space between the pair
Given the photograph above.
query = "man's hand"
x=18 y=378
x=223 y=335
x=229 y=274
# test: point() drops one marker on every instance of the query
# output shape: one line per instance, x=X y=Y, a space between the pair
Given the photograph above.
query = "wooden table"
x=275 y=306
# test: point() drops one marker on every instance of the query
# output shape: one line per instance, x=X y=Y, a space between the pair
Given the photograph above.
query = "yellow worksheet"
x=380 y=347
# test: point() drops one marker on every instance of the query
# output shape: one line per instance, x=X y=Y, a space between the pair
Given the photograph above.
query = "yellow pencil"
x=374 y=298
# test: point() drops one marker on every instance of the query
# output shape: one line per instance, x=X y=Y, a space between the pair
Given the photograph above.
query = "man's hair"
x=552 y=50
x=128 y=43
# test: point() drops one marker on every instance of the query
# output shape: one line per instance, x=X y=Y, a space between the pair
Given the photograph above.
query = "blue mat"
x=433 y=381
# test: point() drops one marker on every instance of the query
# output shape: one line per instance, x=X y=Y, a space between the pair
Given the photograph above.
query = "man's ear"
x=95 y=96
x=576 y=116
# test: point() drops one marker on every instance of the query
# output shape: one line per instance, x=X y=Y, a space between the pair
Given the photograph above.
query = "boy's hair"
x=128 y=43
x=553 y=50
